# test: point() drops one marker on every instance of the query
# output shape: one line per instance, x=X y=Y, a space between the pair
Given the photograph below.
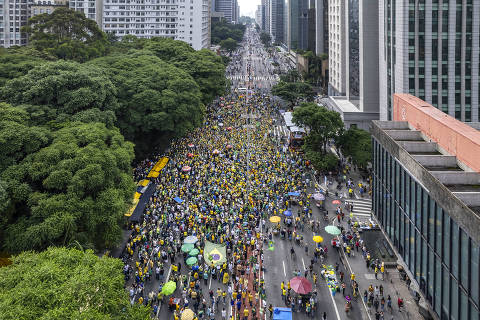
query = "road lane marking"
x=303 y=262
x=210 y=283
x=334 y=304
x=284 y=271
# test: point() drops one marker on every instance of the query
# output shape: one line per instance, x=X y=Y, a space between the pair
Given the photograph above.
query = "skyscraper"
x=93 y=9
x=321 y=27
x=13 y=15
x=430 y=49
x=276 y=23
x=229 y=8
x=297 y=24
x=188 y=22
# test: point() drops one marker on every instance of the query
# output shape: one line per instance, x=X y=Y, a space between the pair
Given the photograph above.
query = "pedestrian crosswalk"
x=245 y=77
x=361 y=207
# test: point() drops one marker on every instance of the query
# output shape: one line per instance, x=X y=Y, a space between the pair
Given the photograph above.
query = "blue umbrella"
x=294 y=194
x=178 y=200
x=287 y=213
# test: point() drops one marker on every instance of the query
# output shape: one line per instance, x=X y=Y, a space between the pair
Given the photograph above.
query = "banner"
x=214 y=254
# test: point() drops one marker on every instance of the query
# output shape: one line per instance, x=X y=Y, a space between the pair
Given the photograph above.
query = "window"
x=445 y=293
x=474 y=273
x=454 y=267
x=464 y=252
x=446 y=238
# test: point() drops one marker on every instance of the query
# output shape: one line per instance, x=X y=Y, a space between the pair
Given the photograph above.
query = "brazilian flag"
x=214 y=254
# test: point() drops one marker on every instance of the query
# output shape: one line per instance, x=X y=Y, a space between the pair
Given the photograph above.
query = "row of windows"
x=440 y=255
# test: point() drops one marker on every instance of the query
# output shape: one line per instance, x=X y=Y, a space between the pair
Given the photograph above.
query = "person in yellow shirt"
x=245 y=313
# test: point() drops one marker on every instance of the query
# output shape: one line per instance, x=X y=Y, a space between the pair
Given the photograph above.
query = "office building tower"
x=13 y=15
x=229 y=8
x=47 y=6
x=93 y=9
x=321 y=27
x=297 y=24
x=184 y=20
x=258 y=16
x=276 y=23
x=353 y=61
x=430 y=49
x=426 y=177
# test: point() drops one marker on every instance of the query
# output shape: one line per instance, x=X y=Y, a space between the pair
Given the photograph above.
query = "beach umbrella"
x=332 y=230
x=178 y=200
x=287 y=213
x=189 y=154
x=191 y=145
x=301 y=285
x=229 y=128
x=169 y=288
x=275 y=219
x=186 y=168
x=194 y=252
x=187 y=247
x=216 y=151
x=319 y=196
x=317 y=239
x=220 y=124
x=191 y=261
x=229 y=146
x=336 y=201
x=187 y=314
x=294 y=194
x=190 y=239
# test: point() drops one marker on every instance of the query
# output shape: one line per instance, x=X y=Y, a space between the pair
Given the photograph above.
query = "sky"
x=248 y=7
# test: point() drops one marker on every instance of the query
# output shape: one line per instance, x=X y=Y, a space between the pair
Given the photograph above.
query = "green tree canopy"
x=67 y=34
x=62 y=283
x=222 y=30
x=291 y=76
x=322 y=123
x=75 y=189
x=157 y=100
x=357 y=144
x=14 y=65
x=292 y=92
x=62 y=88
x=205 y=67
x=266 y=39
x=229 y=44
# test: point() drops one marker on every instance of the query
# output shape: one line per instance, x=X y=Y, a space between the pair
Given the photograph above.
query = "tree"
x=291 y=76
x=67 y=34
x=14 y=65
x=62 y=283
x=293 y=91
x=76 y=189
x=222 y=30
x=63 y=88
x=266 y=39
x=323 y=124
x=228 y=44
x=205 y=67
x=357 y=144
x=157 y=100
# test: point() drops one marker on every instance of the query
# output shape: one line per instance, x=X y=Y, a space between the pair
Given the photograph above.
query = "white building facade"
x=337 y=48
x=185 y=20
x=13 y=15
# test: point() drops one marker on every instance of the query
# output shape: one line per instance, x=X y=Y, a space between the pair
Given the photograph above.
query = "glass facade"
x=442 y=257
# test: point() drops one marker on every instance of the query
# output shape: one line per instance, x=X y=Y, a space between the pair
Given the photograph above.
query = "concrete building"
x=353 y=62
x=426 y=182
x=430 y=49
x=47 y=6
x=321 y=27
x=258 y=15
x=276 y=15
x=13 y=15
x=228 y=8
x=297 y=24
x=185 y=20
x=93 y=9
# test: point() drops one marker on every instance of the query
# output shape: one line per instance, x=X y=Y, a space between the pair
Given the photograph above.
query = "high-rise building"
x=258 y=16
x=430 y=49
x=229 y=8
x=47 y=6
x=188 y=22
x=276 y=14
x=353 y=61
x=93 y=9
x=297 y=24
x=13 y=15
x=321 y=27
x=426 y=177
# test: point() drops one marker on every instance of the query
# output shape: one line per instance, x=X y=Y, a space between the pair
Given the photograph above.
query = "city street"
x=223 y=184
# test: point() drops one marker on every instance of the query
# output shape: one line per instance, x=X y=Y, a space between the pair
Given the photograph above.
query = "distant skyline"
x=248 y=7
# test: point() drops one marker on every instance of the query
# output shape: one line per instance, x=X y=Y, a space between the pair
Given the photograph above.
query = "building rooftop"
x=346 y=105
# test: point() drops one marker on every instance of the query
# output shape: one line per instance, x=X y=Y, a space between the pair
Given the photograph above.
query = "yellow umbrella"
x=275 y=219
x=317 y=239
x=188 y=314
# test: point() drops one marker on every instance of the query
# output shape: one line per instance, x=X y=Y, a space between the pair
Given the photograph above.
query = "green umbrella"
x=194 y=252
x=187 y=247
x=332 y=230
x=169 y=288
x=191 y=261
